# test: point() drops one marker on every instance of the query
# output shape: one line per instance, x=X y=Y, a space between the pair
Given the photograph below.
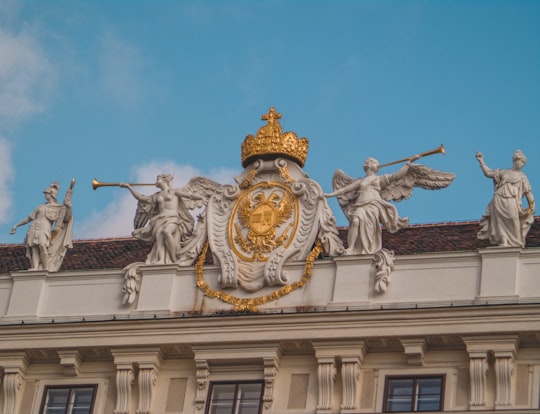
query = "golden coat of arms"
x=275 y=213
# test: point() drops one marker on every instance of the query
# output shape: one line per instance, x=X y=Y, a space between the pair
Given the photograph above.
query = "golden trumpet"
x=439 y=150
x=97 y=184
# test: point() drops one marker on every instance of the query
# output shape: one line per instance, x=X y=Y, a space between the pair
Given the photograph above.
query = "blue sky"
x=124 y=90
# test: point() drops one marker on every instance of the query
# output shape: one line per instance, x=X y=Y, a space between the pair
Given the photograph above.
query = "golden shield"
x=264 y=218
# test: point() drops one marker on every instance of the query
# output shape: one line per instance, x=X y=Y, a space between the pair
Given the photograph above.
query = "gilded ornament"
x=251 y=304
x=271 y=142
x=262 y=220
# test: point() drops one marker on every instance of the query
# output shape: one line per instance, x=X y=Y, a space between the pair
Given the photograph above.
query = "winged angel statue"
x=163 y=218
x=365 y=201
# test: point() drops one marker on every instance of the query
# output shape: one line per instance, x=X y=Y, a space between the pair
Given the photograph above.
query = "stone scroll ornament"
x=50 y=232
x=366 y=204
x=506 y=221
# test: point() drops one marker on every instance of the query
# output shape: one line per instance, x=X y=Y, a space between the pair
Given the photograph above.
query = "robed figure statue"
x=506 y=221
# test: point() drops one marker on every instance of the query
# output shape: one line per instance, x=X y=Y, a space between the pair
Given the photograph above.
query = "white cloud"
x=26 y=81
x=26 y=77
x=116 y=219
x=6 y=176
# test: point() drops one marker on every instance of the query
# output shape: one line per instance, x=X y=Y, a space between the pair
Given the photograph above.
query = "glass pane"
x=248 y=407
x=222 y=399
x=221 y=408
x=57 y=398
x=429 y=394
x=399 y=394
x=52 y=410
x=81 y=410
x=249 y=392
x=223 y=392
x=83 y=396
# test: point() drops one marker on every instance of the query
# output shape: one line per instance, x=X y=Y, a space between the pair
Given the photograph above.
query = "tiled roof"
x=119 y=252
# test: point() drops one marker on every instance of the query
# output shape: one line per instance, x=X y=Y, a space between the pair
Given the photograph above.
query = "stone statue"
x=163 y=218
x=506 y=221
x=365 y=201
x=46 y=246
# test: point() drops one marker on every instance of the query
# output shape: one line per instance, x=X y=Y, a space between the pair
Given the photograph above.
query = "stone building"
x=457 y=330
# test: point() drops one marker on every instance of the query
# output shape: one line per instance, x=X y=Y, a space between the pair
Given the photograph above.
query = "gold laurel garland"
x=285 y=174
x=250 y=304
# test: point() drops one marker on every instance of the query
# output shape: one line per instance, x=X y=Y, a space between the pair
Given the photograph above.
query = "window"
x=235 y=398
x=407 y=394
x=68 y=400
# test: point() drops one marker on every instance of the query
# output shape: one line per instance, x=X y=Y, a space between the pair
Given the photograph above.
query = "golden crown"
x=270 y=142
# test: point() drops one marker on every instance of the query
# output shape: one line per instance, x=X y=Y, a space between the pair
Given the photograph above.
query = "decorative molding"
x=478 y=367
x=203 y=372
x=147 y=378
x=414 y=349
x=14 y=366
x=383 y=260
x=71 y=362
x=326 y=374
x=271 y=366
x=505 y=350
x=125 y=378
x=12 y=386
x=350 y=375
x=504 y=368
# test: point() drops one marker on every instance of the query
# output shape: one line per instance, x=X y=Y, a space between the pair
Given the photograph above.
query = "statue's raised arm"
x=506 y=221
x=365 y=201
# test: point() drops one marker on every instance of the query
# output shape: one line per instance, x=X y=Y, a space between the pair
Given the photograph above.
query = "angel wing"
x=417 y=176
x=145 y=211
x=201 y=186
x=339 y=180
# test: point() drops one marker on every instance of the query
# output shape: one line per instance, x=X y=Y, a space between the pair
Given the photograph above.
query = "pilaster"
x=202 y=373
x=504 y=349
x=351 y=355
x=478 y=367
x=148 y=373
x=14 y=366
x=125 y=378
x=147 y=360
x=326 y=374
x=271 y=367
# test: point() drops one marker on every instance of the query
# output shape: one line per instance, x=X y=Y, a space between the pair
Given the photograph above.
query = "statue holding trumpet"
x=164 y=218
x=366 y=201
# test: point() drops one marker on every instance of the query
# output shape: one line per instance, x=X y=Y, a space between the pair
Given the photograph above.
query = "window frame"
x=414 y=399
x=69 y=387
x=237 y=383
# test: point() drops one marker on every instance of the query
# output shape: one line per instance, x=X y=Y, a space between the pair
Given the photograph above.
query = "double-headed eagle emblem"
x=262 y=221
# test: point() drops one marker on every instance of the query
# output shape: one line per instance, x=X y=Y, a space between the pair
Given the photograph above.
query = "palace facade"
x=456 y=328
